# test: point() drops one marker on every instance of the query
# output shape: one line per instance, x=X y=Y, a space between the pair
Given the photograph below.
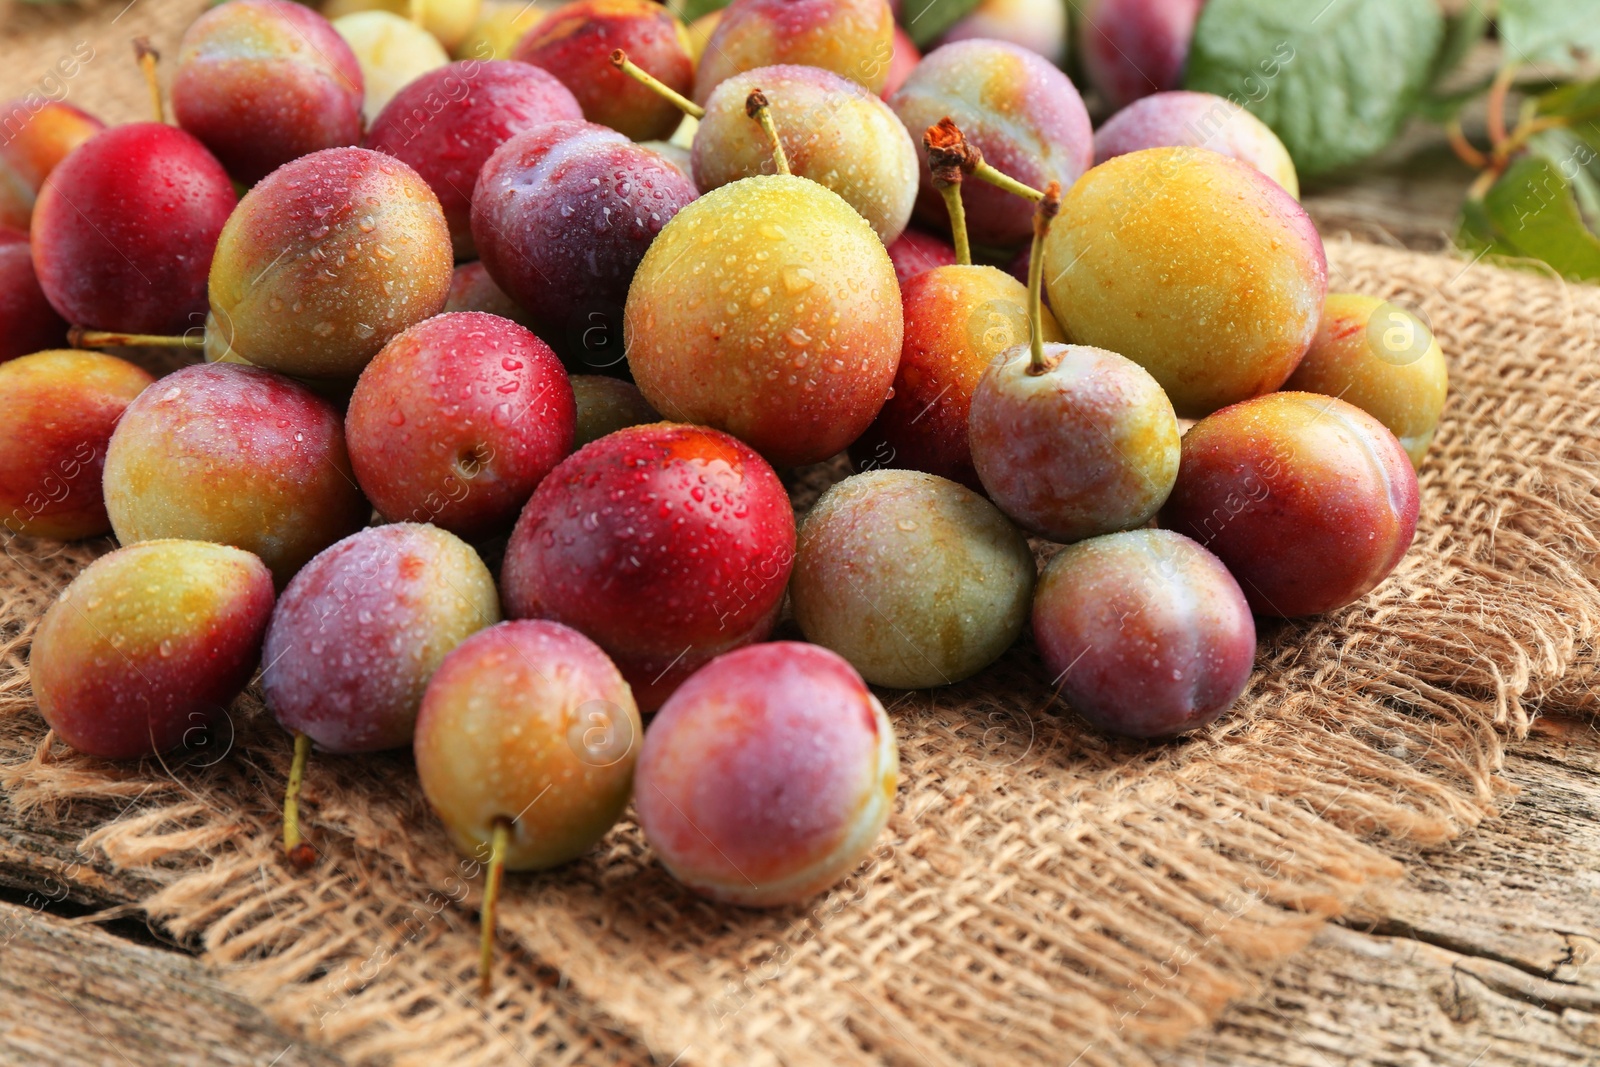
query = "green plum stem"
x=756 y=107
x=79 y=337
x=498 y=841
x=299 y=851
x=958 y=220
x=1049 y=204
x=1004 y=181
x=620 y=60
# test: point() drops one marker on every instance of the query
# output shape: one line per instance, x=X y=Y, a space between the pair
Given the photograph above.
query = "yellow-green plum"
x=767 y=776
x=327 y=259
x=1385 y=361
x=498 y=29
x=1023 y=114
x=767 y=308
x=233 y=454
x=148 y=646
x=1197 y=267
x=833 y=131
x=448 y=21
x=917 y=581
x=391 y=52
x=606 y=405
x=57 y=411
x=852 y=38
x=359 y=632
x=528 y=723
x=1198 y=120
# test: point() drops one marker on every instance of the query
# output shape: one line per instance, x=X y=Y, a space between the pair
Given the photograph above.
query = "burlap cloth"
x=1042 y=893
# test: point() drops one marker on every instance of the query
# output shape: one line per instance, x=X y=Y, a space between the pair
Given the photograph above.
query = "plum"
x=262 y=82
x=359 y=632
x=234 y=454
x=767 y=308
x=562 y=216
x=917 y=581
x=498 y=29
x=606 y=405
x=1197 y=267
x=447 y=21
x=916 y=251
x=767 y=777
x=904 y=60
x=471 y=289
x=327 y=259
x=851 y=38
x=37 y=135
x=1037 y=25
x=124 y=228
x=27 y=321
x=148 y=645
x=456 y=422
x=1145 y=632
x=1198 y=120
x=1132 y=48
x=391 y=51
x=1307 y=499
x=957 y=320
x=1023 y=114
x=57 y=411
x=448 y=122
x=700 y=31
x=16 y=200
x=575 y=44
x=665 y=544
x=833 y=131
x=524 y=712
x=1385 y=361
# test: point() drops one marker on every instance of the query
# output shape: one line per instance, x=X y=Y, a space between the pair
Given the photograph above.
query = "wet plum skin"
x=1197 y=120
x=148 y=646
x=27 y=321
x=665 y=544
x=851 y=38
x=360 y=631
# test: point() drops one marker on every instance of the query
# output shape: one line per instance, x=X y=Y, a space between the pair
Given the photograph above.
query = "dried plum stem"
x=950 y=158
x=299 y=851
x=498 y=841
x=620 y=60
x=79 y=337
x=1049 y=204
x=756 y=106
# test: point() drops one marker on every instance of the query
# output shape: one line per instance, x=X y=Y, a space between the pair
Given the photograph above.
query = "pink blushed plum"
x=916 y=251
x=36 y=135
x=767 y=777
x=1197 y=120
x=148 y=645
x=27 y=321
x=456 y=422
x=851 y=38
x=471 y=289
x=1146 y=633
x=665 y=544
x=1132 y=48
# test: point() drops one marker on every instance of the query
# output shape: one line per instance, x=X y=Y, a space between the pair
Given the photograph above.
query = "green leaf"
x=1532 y=210
x=1333 y=78
x=1462 y=32
x=1578 y=101
x=1577 y=158
x=689 y=10
x=925 y=20
x=1549 y=31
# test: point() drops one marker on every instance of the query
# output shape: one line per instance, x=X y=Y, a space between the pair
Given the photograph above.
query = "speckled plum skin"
x=528 y=721
x=957 y=320
x=1197 y=120
x=1023 y=113
x=27 y=321
x=562 y=216
x=448 y=122
x=917 y=581
x=124 y=226
x=769 y=309
x=852 y=38
x=457 y=421
x=1146 y=632
x=1197 y=267
x=665 y=544
x=233 y=454
x=575 y=44
x=327 y=259
x=606 y=405
x=1382 y=359
x=1088 y=447
x=916 y=251
x=38 y=135
x=262 y=82
x=833 y=131
x=768 y=775
x=149 y=645
x=1307 y=499
x=57 y=411
x=1132 y=48
x=1037 y=25
x=360 y=631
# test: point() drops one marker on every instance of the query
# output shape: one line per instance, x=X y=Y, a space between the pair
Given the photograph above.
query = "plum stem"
x=1049 y=204
x=299 y=851
x=949 y=156
x=82 y=337
x=148 y=56
x=620 y=60
x=985 y=172
x=958 y=220
x=756 y=106
x=1498 y=91
x=498 y=840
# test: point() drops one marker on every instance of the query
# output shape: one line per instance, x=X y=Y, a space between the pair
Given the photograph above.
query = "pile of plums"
x=441 y=312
